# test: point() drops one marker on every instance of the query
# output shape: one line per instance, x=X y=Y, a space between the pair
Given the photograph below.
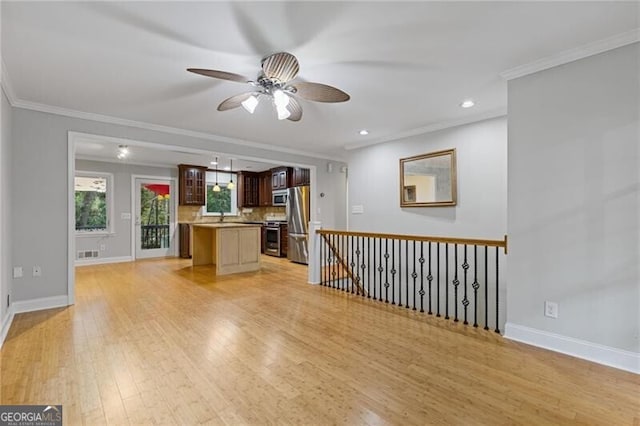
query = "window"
x=93 y=202
x=225 y=201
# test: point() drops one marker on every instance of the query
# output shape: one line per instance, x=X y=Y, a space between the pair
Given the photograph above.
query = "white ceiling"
x=100 y=149
x=405 y=65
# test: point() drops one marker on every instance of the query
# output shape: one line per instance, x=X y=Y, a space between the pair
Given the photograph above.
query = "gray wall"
x=574 y=199
x=5 y=210
x=40 y=165
x=481 y=151
x=117 y=244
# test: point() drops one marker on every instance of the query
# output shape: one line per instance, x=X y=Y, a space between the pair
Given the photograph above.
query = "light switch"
x=17 y=272
x=359 y=209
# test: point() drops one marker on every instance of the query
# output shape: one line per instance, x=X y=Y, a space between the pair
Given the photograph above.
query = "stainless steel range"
x=273 y=245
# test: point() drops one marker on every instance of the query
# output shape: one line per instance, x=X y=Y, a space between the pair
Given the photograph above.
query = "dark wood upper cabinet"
x=248 y=189
x=301 y=177
x=192 y=182
x=280 y=178
x=264 y=196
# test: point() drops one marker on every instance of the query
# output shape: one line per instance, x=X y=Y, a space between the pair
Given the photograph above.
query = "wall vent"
x=88 y=254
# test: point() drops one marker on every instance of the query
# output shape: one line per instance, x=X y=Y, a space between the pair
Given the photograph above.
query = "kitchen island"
x=231 y=247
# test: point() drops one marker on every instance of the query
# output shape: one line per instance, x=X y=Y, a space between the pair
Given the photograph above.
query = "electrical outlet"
x=17 y=272
x=550 y=309
x=103 y=247
x=37 y=271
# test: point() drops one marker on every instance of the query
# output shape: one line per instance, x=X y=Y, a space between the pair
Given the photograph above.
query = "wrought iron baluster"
x=465 y=300
x=430 y=279
x=343 y=265
x=421 y=260
x=334 y=258
x=475 y=286
x=456 y=283
x=406 y=275
x=393 y=271
x=363 y=266
x=446 y=281
x=369 y=270
x=497 y=290
x=386 y=269
x=352 y=264
x=414 y=275
x=357 y=266
x=486 y=288
x=438 y=279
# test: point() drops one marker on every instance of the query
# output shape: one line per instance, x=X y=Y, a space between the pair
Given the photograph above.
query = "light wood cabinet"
x=232 y=248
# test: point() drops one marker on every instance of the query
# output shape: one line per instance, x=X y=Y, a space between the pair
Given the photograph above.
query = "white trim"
x=174 y=199
x=612 y=357
x=501 y=112
x=40 y=304
x=111 y=220
x=71 y=218
x=34 y=106
x=6 y=324
x=104 y=260
x=574 y=54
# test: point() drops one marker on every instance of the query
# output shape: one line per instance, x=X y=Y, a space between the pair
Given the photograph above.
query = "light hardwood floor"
x=160 y=342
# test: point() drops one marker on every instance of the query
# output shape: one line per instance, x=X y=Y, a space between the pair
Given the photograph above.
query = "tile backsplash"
x=193 y=214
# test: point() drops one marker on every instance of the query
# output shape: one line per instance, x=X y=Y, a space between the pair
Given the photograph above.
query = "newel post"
x=314 y=253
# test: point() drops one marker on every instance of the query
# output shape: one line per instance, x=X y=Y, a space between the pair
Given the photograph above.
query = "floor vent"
x=88 y=254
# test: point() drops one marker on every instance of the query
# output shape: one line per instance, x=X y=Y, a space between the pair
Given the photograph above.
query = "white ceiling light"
x=364 y=132
x=250 y=104
x=281 y=100
x=468 y=103
x=123 y=152
x=214 y=163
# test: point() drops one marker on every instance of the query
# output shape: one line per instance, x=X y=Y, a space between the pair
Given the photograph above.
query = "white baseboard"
x=6 y=325
x=40 y=304
x=104 y=260
x=612 y=357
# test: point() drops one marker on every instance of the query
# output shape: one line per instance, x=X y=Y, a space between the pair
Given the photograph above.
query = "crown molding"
x=501 y=112
x=34 y=106
x=575 y=54
x=7 y=88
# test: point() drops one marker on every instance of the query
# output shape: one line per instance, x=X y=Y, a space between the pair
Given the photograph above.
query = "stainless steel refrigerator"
x=298 y=220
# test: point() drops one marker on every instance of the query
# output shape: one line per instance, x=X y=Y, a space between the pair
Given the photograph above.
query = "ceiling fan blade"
x=282 y=67
x=219 y=74
x=320 y=92
x=234 y=101
x=295 y=109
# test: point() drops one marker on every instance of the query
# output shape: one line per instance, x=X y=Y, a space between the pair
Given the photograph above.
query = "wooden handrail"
x=446 y=240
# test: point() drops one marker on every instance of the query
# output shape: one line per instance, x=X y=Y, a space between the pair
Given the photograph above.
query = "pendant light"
x=216 y=188
x=231 y=185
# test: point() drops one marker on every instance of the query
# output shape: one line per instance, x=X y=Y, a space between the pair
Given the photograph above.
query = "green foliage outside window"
x=218 y=201
x=91 y=210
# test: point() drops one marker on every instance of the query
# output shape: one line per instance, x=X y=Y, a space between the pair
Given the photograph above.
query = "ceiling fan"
x=274 y=82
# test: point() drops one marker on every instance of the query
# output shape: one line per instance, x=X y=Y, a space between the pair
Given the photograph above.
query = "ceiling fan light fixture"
x=283 y=112
x=280 y=98
x=250 y=104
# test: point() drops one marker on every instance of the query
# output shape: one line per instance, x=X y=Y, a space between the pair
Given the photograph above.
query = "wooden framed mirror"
x=429 y=180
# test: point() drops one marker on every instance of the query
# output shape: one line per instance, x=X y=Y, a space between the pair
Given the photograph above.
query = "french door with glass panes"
x=154 y=217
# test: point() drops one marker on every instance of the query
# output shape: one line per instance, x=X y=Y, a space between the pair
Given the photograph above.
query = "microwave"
x=279 y=198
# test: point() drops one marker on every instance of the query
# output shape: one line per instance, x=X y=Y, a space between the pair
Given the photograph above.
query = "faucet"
x=221 y=216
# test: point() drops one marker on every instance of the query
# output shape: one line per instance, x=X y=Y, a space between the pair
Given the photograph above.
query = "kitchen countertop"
x=225 y=225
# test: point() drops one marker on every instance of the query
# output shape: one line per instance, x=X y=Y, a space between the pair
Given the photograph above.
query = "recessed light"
x=364 y=132
x=467 y=103
x=227 y=168
x=214 y=163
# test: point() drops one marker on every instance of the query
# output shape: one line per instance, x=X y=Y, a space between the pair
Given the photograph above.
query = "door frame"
x=173 y=229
